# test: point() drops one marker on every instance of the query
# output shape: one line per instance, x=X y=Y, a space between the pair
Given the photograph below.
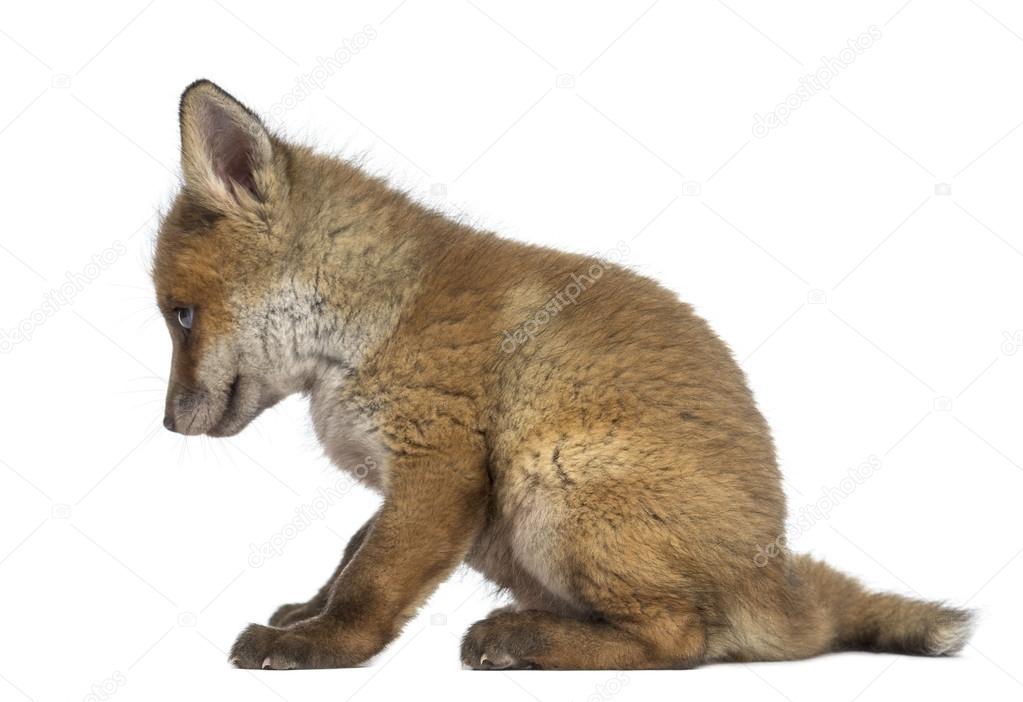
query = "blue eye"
x=186 y=316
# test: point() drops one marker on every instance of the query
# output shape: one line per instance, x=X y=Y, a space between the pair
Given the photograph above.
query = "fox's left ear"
x=227 y=156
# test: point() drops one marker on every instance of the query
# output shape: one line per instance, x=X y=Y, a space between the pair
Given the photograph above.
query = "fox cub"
x=608 y=468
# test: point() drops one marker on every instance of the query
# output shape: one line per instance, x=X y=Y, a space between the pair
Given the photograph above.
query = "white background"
x=864 y=260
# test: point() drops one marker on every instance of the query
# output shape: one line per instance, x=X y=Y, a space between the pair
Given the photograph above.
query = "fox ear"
x=227 y=157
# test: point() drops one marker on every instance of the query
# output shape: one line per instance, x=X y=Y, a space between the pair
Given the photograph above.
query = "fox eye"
x=186 y=316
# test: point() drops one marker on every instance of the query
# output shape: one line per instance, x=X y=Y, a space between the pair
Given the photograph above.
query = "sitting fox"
x=609 y=469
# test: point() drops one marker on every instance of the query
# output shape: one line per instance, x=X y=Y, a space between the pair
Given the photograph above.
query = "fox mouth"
x=224 y=413
x=232 y=419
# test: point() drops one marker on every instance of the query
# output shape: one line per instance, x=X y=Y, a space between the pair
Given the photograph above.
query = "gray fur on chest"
x=348 y=435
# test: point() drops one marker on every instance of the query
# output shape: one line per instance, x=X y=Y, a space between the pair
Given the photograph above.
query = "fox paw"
x=500 y=642
x=273 y=648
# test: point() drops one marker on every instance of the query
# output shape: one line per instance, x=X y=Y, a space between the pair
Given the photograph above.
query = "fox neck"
x=311 y=328
x=334 y=314
x=359 y=257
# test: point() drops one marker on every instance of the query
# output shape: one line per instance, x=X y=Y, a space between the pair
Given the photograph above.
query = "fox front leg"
x=289 y=614
x=431 y=514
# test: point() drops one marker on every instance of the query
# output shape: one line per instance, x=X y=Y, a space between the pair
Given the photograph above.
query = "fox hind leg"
x=546 y=640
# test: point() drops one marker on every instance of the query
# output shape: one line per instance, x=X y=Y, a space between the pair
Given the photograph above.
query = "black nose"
x=168 y=422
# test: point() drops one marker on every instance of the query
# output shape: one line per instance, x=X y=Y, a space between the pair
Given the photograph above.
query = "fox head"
x=277 y=270
x=220 y=268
